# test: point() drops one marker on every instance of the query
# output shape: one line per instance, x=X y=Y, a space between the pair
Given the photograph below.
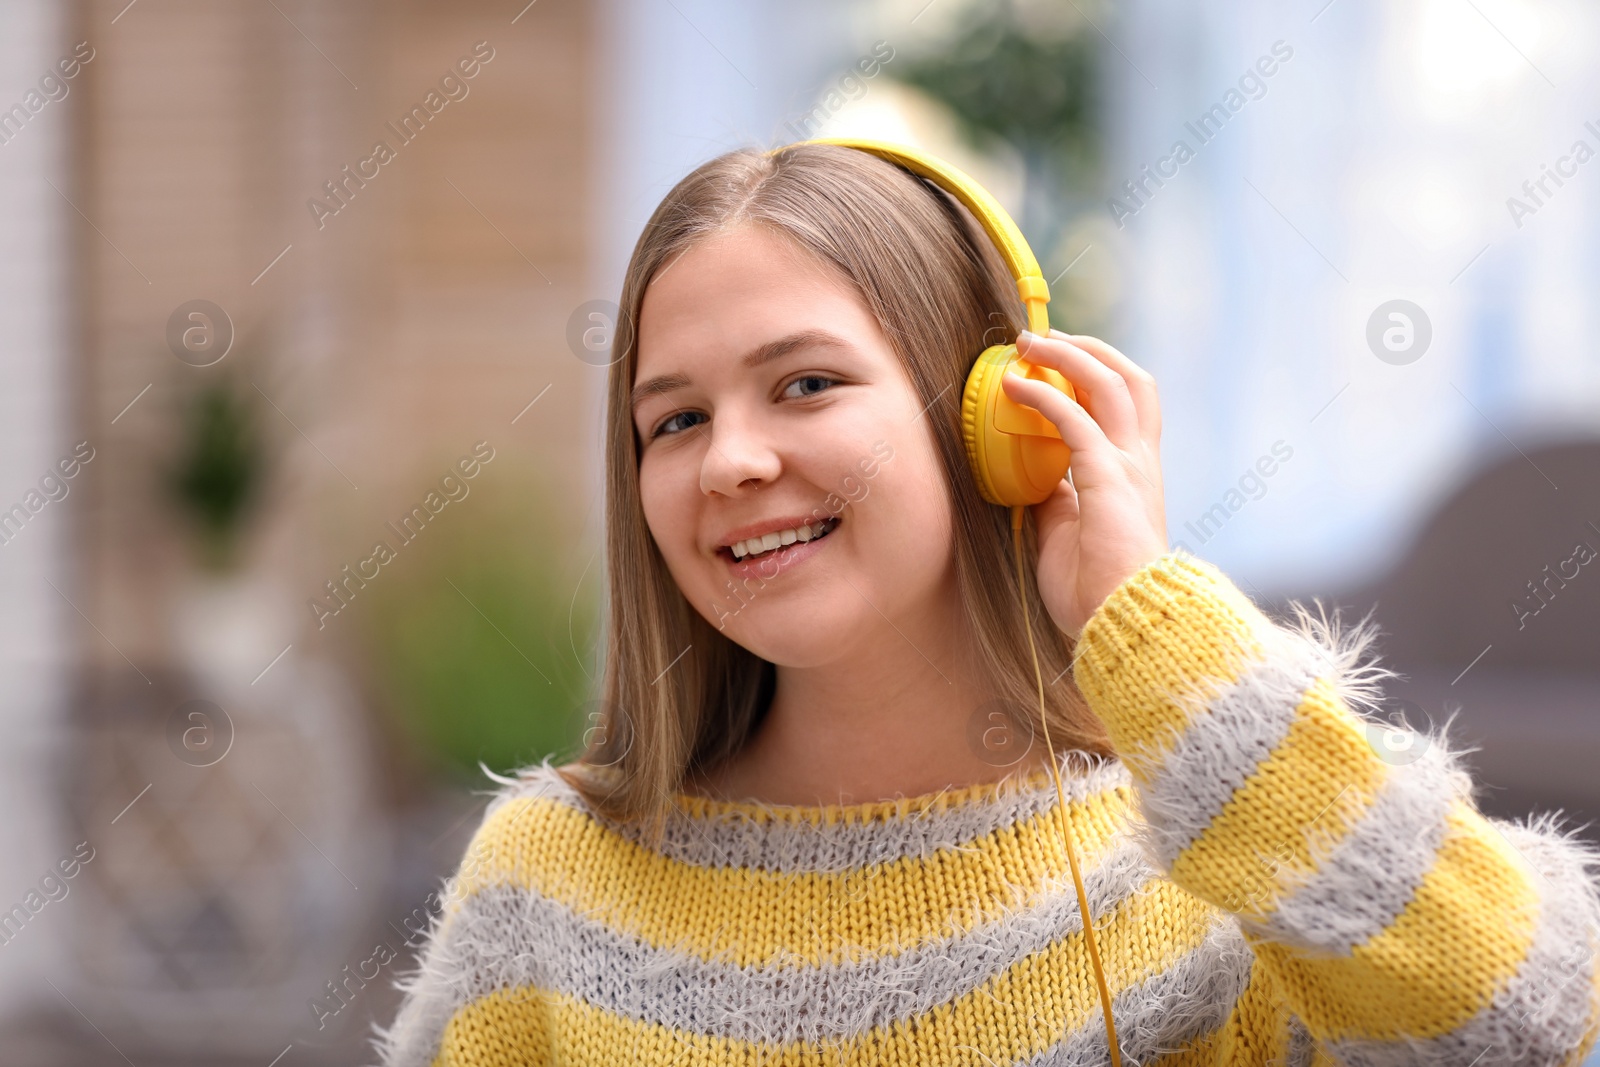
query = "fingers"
x=1079 y=431
x=1097 y=463
x=1141 y=384
x=1104 y=392
x=1061 y=505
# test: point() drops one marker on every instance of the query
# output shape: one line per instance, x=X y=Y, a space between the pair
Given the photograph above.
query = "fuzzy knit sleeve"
x=1393 y=921
x=464 y=1002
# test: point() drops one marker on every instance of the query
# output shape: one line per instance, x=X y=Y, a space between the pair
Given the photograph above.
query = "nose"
x=738 y=455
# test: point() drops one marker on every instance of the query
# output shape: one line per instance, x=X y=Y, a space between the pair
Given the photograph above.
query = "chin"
x=782 y=645
x=803 y=631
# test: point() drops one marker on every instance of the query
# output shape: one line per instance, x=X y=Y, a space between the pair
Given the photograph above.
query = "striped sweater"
x=1269 y=884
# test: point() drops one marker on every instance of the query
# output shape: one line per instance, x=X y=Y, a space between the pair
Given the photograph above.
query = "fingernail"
x=1027 y=335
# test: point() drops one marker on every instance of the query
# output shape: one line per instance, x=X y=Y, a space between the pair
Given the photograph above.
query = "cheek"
x=660 y=504
x=905 y=508
x=916 y=534
x=667 y=498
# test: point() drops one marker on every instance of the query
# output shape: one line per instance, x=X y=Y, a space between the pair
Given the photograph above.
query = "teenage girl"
x=818 y=820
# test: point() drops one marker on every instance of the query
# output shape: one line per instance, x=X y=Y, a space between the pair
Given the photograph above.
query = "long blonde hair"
x=941 y=294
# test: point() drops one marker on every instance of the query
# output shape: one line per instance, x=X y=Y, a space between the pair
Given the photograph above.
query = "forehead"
x=737 y=289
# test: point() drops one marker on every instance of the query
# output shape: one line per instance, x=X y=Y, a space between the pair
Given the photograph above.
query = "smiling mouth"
x=727 y=553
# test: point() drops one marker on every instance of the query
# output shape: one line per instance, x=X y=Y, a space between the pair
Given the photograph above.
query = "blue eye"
x=665 y=427
x=811 y=378
x=662 y=428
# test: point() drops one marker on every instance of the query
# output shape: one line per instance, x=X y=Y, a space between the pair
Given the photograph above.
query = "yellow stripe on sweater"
x=750 y=916
x=1017 y=1014
x=1164 y=643
x=1313 y=787
x=1464 y=934
x=1257 y=1030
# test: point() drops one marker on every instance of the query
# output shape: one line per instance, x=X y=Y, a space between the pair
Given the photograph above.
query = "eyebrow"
x=762 y=354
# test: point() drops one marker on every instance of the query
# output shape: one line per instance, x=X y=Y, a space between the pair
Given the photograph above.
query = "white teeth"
x=755 y=546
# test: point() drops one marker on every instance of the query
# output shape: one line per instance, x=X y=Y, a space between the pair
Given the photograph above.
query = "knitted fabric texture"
x=1266 y=887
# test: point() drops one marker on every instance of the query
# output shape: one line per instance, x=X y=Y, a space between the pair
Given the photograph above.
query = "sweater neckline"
x=698 y=806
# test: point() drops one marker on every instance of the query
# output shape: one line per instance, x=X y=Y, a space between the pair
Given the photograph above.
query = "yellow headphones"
x=1016 y=454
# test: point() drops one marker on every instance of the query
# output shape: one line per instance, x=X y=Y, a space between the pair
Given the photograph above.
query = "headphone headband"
x=1007 y=238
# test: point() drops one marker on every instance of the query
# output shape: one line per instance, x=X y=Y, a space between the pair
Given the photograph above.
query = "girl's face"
x=768 y=399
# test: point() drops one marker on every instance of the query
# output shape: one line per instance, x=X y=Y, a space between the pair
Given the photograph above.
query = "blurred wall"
x=420 y=310
x=36 y=429
x=379 y=341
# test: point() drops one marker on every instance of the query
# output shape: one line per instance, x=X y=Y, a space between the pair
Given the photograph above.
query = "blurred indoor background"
x=299 y=437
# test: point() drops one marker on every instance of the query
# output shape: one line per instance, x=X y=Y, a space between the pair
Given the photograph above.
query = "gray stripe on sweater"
x=1302 y=1050
x=1366 y=880
x=1541 y=1015
x=1222 y=745
x=506 y=937
x=735 y=839
x=1165 y=1012
x=432 y=995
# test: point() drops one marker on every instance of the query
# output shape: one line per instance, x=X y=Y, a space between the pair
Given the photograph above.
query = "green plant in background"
x=219 y=469
x=1032 y=85
x=1028 y=74
x=477 y=635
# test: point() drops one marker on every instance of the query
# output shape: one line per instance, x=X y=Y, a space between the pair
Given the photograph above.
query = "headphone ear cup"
x=973 y=424
x=1022 y=463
